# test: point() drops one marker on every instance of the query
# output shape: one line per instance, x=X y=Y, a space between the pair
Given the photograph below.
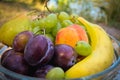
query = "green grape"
x=63 y=16
x=48 y=22
x=66 y=23
x=55 y=73
x=51 y=21
x=83 y=48
x=42 y=23
x=56 y=29
x=73 y=18
x=50 y=37
x=36 y=30
x=35 y=23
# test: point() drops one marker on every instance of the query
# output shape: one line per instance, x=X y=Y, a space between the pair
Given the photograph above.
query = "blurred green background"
x=103 y=12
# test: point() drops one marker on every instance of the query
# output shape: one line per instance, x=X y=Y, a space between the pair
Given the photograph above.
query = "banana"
x=102 y=55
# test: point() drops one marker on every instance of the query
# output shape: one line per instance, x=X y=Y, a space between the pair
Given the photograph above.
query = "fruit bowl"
x=108 y=74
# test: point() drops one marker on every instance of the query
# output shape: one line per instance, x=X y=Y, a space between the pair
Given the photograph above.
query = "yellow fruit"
x=9 y=30
x=102 y=55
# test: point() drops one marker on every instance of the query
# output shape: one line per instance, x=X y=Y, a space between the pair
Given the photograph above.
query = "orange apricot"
x=71 y=35
x=81 y=32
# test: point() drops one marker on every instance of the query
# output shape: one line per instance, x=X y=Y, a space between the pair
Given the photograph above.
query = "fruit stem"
x=43 y=31
x=47 y=6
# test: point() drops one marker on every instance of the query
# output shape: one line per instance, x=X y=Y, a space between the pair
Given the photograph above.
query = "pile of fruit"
x=55 y=46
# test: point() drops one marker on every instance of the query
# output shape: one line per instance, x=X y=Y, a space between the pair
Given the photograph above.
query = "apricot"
x=70 y=35
x=67 y=36
x=81 y=32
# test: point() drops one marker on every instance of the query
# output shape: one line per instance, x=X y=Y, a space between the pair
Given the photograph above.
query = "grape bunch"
x=35 y=53
x=52 y=23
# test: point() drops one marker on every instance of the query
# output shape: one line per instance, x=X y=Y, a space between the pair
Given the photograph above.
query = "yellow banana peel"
x=101 y=57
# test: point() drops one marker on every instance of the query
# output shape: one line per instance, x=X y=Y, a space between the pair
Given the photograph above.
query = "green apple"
x=83 y=48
